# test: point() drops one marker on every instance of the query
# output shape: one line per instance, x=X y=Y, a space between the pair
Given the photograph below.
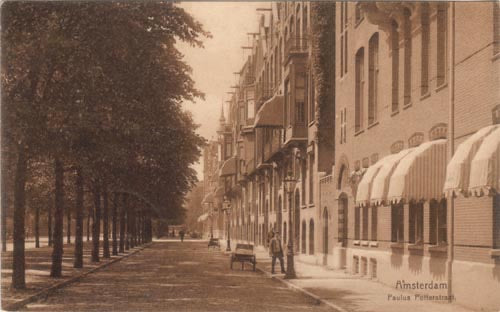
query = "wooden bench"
x=243 y=253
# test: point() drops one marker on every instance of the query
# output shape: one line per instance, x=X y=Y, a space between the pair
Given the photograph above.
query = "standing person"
x=181 y=234
x=276 y=251
x=270 y=235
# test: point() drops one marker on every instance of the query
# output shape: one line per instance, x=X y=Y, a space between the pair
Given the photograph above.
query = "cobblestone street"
x=176 y=276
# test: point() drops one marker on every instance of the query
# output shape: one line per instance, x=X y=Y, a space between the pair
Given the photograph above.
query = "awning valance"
x=228 y=167
x=485 y=166
x=420 y=175
x=365 y=185
x=203 y=217
x=270 y=113
x=458 y=169
x=381 y=181
x=209 y=198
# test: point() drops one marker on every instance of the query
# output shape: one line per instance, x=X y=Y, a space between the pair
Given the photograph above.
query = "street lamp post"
x=211 y=220
x=227 y=208
x=289 y=185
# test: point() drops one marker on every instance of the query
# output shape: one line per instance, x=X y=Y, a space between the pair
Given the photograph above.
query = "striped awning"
x=459 y=168
x=365 y=185
x=485 y=166
x=270 y=114
x=228 y=167
x=203 y=217
x=420 y=175
x=209 y=198
x=380 y=185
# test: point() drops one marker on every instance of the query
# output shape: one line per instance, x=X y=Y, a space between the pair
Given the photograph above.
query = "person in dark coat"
x=181 y=234
x=276 y=251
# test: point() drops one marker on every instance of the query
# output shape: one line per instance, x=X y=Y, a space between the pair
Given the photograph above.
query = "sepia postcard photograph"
x=250 y=156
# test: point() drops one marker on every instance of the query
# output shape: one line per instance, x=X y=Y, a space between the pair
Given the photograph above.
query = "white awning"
x=485 y=166
x=365 y=186
x=270 y=114
x=380 y=184
x=228 y=167
x=458 y=169
x=203 y=217
x=421 y=174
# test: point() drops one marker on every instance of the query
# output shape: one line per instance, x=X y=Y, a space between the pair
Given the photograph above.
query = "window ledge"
x=373 y=124
x=394 y=113
x=373 y=244
x=397 y=245
x=310 y=206
x=441 y=87
x=425 y=95
x=495 y=57
x=417 y=246
x=407 y=105
x=359 y=132
x=364 y=243
x=495 y=253
x=356 y=243
x=438 y=248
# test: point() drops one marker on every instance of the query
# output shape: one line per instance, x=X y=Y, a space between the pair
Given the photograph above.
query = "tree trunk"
x=4 y=210
x=57 y=252
x=96 y=224
x=68 y=220
x=37 y=226
x=78 y=263
x=49 y=224
x=18 y=277
x=128 y=217
x=122 y=223
x=105 y=229
x=114 y=219
x=131 y=225
x=89 y=213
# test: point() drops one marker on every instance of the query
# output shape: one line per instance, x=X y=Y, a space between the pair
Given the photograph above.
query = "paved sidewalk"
x=346 y=292
x=38 y=264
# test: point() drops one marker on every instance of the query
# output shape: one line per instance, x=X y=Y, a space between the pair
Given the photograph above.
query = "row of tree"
x=95 y=90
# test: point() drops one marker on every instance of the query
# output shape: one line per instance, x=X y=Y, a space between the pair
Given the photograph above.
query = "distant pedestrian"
x=181 y=234
x=270 y=235
x=276 y=251
x=173 y=232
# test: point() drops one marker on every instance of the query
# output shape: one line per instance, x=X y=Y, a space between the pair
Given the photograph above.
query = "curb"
x=44 y=293
x=302 y=290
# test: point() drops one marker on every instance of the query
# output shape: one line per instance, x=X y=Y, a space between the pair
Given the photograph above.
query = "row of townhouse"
x=384 y=160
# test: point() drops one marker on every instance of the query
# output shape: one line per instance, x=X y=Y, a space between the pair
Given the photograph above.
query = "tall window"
x=284 y=232
x=442 y=30
x=416 y=224
x=343 y=125
x=311 y=237
x=276 y=67
x=407 y=57
x=360 y=83
x=300 y=98
x=437 y=223
x=287 y=102
x=374 y=223
x=312 y=104
x=303 y=236
x=424 y=57
x=357 y=229
x=311 y=178
x=343 y=38
x=280 y=55
x=397 y=223
x=365 y=222
x=304 y=26
x=373 y=79
x=303 y=172
x=395 y=66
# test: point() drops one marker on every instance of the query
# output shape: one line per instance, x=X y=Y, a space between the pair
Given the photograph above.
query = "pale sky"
x=213 y=66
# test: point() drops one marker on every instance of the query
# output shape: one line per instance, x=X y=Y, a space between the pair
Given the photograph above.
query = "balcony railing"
x=295 y=45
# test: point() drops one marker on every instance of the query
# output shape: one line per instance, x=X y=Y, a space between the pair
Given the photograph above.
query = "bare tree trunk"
x=18 y=265
x=114 y=219
x=68 y=220
x=49 y=224
x=122 y=222
x=131 y=213
x=57 y=252
x=37 y=226
x=127 y=230
x=96 y=225
x=78 y=263
x=105 y=229
x=4 y=210
x=89 y=213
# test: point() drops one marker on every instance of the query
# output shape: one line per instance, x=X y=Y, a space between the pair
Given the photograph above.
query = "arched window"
x=437 y=222
x=360 y=86
x=424 y=57
x=395 y=66
x=373 y=79
x=325 y=230
x=407 y=56
x=442 y=34
x=311 y=237
x=303 y=240
x=342 y=219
